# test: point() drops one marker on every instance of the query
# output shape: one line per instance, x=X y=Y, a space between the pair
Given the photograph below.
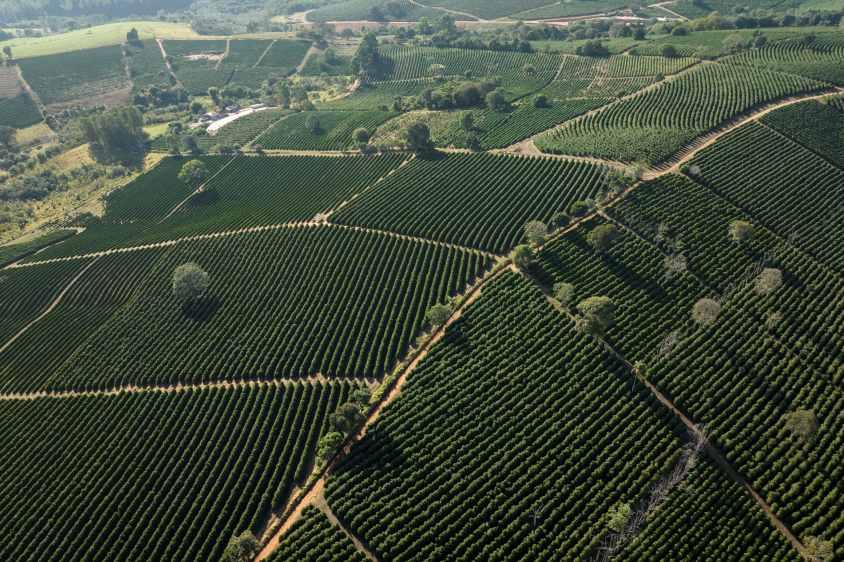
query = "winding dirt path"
x=310 y=495
x=50 y=307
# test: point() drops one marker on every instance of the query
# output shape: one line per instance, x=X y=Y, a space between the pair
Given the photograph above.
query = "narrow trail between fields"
x=180 y=387
x=320 y=221
x=662 y=6
x=322 y=504
x=311 y=495
x=264 y=54
x=199 y=189
x=313 y=50
x=25 y=85
x=691 y=150
x=169 y=66
x=448 y=11
x=56 y=301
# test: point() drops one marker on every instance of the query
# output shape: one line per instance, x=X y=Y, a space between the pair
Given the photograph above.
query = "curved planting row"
x=282 y=304
x=315 y=539
x=511 y=441
x=780 y=184
x=102 y=290
x=478 y=200
x=816 y=58
x=321 y=130
x=660 y=121
x=620 y=66
x=813 y=124
x=152 y=476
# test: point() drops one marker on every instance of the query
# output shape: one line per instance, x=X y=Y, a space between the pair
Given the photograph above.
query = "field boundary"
x=313 y=223
x=180 y=387
x=264 y=54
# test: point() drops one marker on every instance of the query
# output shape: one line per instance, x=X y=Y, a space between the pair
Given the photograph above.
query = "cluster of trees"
x=344 y=422
x=367 y=60
x=457 y=95
x=116 y=135
x=291 y=96
x=442 y=31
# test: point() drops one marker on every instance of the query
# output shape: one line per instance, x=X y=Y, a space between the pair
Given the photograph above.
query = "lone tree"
x=496 y=101
x=132 y=36
x=597 y=314
x=669 y=51
x=769 y=281
x=540 y=101
x=242 y=548
x=312 y=124
x=347 y=419
x=706 y=311
x=579 y=208
x=803 y=424
x=190 y=283
x=564 y=292
x=522 y=256
x=467 y=122
x=418 y=137
x=603 y=237
x=618 y=516
x=536 y=232
x=361 y=137
x=7 y=50
x=214 y=94
x=193 y=172
x=438 y=314
x=741 y=231
x=328 y=444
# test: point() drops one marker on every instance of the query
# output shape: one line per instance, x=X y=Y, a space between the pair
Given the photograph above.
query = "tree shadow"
x=201 y=310
x=204 y=198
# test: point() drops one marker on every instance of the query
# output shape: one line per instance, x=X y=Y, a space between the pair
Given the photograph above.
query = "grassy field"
x=99 y=36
